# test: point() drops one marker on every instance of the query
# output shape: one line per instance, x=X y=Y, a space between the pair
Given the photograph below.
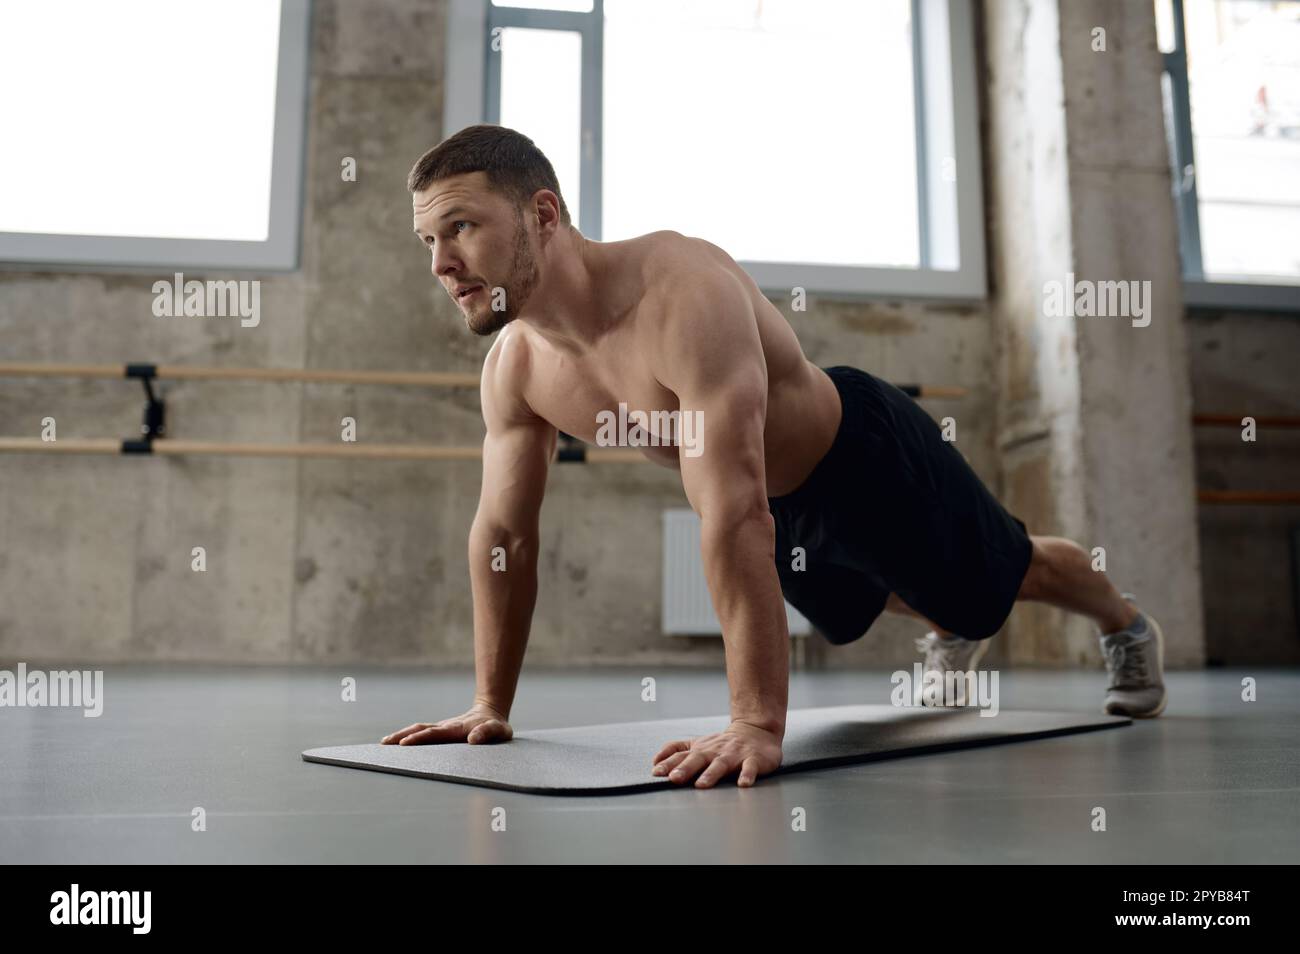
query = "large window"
x=827 y=144
x=788 y=150
x=1232 y=106
x=152 y=133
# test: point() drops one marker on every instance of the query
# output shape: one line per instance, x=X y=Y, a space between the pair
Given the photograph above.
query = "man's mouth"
x=467 y=292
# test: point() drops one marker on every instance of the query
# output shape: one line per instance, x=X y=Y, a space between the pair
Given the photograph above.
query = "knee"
x=1042 y=573
x=894 y=605
x=1056 y=563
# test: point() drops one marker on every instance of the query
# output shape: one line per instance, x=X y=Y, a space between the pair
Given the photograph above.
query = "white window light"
x=1232 y=114
x=152 y=133
x=826 y=144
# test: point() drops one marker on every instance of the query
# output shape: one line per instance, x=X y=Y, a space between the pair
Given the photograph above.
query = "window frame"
x=42 y=251
x=1198 y=290
x=949 y=168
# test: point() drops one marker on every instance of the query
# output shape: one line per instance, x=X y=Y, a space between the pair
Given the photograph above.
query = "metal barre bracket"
x=570 y=450
x=155 y=410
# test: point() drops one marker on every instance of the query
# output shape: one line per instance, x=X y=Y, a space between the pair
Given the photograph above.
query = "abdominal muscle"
x=802 y=421
x=802 y=418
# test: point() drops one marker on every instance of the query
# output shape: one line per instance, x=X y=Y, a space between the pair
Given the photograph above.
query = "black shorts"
x=893 y=507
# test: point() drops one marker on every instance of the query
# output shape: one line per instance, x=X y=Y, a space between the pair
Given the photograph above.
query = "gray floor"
x=1213 y=780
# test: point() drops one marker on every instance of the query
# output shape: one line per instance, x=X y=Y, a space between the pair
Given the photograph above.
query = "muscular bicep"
x=517 y=450
x=515 y=463
x=718 y=371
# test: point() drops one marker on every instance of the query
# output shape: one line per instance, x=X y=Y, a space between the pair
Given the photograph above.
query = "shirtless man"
x=833 y=461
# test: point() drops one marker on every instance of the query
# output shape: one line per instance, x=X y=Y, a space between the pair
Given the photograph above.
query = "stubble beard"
x=518 y=288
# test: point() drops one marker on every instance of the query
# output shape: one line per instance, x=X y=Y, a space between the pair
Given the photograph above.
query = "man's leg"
x=943 y=651
x=895 y=605
x=1061 y=574
x=1132 y=644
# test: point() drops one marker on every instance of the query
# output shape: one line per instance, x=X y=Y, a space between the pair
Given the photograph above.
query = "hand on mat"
x=479 y=725
x=741 y=746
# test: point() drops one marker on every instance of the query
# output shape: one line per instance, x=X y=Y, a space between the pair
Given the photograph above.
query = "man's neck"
x=567 y=307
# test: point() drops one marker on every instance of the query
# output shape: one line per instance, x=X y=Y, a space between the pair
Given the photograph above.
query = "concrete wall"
x=321 y=561
x=1244 y=364
x=331 y=561
x=1031 y=242
x=1095 y=410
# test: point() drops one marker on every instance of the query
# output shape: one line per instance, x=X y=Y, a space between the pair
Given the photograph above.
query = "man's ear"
x=546 y=207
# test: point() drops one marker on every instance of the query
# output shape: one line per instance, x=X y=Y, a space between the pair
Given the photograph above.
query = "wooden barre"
x=1249 y=496
x=428 y=379
x=590 y=455
x=448 y=379
x=932 y=390
x=433 y=379
x=169 y=446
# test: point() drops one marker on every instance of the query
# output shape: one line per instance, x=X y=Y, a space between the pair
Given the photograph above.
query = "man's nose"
x=444 y=263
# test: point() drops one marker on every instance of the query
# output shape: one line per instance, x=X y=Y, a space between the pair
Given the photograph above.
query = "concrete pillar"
x=1094 y=413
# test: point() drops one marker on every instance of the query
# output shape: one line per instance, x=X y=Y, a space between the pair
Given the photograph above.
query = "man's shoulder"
x=505 y=371
x=510 y=350
x=701 y=313
x=683 y=272
x=670 y=250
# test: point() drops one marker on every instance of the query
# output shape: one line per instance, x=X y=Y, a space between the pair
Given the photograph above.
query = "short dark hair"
x=513 y=163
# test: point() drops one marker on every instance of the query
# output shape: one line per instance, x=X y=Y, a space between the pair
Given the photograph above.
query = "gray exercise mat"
x=617 y=758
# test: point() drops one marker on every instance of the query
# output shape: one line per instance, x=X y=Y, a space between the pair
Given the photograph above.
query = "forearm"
x=504 y=599
x=740 y=566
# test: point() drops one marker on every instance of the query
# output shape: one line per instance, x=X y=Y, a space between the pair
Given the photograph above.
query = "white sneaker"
x=1135 y=662
x=947 y=655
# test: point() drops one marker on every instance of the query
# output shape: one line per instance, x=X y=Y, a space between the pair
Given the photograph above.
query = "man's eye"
x=461 y=222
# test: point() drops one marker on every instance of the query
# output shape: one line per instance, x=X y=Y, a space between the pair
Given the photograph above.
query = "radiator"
x=687 y=606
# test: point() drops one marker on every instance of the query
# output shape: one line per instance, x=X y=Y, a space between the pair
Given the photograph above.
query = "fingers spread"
x=670 y=763
x=442 y=732
x=689 y=767
x=718 y=768
x=401 y=733
x=670 y=748
x=718 y=756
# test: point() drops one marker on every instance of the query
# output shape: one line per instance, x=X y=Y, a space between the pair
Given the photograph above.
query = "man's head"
x=486 y=202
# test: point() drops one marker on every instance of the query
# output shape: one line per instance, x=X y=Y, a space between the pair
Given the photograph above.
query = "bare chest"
x=610 y=402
